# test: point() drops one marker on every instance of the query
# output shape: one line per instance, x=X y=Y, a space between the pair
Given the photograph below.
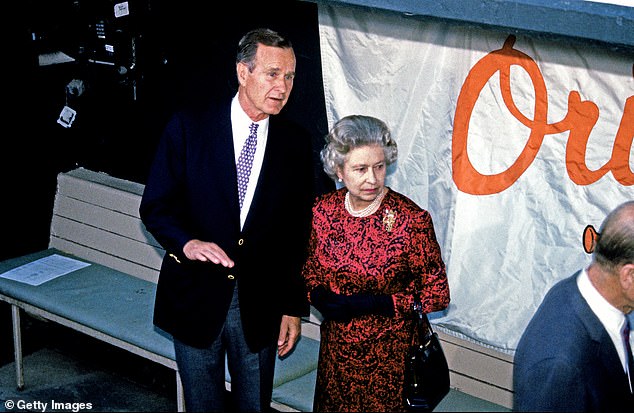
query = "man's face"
x=265 y=91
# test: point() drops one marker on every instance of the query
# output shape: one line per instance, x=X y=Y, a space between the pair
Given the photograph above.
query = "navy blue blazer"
x=565 y=360
x=191 y=193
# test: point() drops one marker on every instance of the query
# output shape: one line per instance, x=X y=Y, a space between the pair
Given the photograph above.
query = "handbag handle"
x=422 y=325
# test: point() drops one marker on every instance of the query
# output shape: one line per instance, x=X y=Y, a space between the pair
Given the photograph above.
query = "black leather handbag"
x=426 y=369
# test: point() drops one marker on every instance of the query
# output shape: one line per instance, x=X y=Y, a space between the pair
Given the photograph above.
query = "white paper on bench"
x=44 y=269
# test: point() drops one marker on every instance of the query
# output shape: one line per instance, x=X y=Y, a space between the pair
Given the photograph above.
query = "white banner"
x=514 y=145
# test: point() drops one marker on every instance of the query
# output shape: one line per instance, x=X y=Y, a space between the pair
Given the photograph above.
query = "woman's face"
x=363 y=174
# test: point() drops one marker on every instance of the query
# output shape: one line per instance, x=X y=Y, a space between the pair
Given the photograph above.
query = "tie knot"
x=253 y=129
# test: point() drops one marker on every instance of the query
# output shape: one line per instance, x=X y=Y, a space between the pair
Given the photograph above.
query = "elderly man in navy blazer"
x=230 y=283
x=573 y=356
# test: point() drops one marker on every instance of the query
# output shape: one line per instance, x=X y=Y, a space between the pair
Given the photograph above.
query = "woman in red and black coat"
x=372 y=250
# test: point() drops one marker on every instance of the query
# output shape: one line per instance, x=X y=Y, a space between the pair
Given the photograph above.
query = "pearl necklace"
x=369 y=210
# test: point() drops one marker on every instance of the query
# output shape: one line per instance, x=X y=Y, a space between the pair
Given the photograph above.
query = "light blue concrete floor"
x=54 y=377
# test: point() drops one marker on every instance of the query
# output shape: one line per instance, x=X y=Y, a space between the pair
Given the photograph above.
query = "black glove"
x=328 y=303
x=362 y=304
x=345 y=307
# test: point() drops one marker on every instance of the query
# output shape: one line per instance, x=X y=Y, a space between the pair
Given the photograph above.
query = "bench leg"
x=17 y=346
x=180 y=397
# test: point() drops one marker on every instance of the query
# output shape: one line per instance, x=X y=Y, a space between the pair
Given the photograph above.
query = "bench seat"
x=295 y=377
x=117 y=308
x=299 y=392
x=109 y=301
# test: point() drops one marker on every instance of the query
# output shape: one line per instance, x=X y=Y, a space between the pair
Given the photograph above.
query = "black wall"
x=183 y=52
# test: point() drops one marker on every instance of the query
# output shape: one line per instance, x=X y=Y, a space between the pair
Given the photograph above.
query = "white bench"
x=95 y=219
x=477 y=370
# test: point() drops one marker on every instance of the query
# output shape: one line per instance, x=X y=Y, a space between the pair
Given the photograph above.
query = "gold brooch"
x=389 y=217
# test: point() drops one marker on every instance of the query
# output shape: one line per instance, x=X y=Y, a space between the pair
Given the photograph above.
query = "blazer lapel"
x=603 y=350
x=221 y=159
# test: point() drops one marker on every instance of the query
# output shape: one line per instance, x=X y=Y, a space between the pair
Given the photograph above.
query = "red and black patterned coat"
x=393 y=251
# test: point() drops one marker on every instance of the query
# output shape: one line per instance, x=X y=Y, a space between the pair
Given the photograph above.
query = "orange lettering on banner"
x=580 y=120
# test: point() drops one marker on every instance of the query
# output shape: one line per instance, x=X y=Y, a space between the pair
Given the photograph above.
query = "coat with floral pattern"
x=392 y=251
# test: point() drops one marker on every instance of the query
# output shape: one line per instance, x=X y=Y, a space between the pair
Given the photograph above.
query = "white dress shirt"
x=240 y=123
x=611 y=317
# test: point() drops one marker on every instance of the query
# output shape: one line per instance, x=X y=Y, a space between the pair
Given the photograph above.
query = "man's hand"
x=290 y=331
x=197 y=250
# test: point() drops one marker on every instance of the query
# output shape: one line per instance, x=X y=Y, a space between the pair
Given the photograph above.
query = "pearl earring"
x=339 y=180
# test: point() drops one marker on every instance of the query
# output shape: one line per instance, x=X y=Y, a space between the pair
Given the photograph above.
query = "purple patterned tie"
x=628 y=351
x=245 y=161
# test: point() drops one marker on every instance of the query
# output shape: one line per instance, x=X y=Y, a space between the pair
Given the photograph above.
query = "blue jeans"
x=202 y=371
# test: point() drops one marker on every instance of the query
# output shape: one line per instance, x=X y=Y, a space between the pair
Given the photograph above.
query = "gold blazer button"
x=231 y=277
x=241 y=241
